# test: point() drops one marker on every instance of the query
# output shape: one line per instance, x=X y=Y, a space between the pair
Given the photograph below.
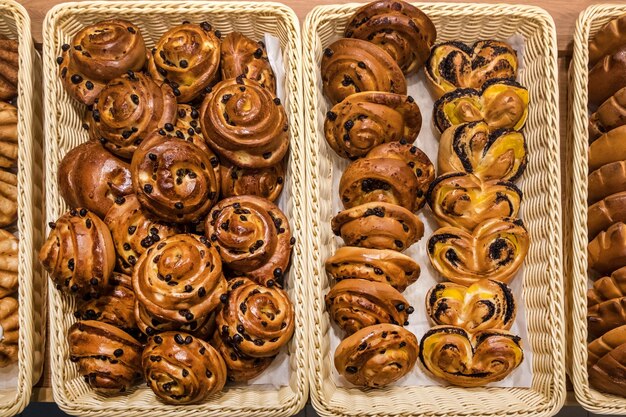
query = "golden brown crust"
x=610 y=147
x=241 y=56
x=607 y=77
x=607 y=288
x=9 y=68
x=607 y=251
x=262 y=182
x=9 y=331
x=606 y=180
x=8 y=135
x=8 y=198
x=241 y=368
x=607 y=374
x=609 y=39
x=606 y=316
x=606 y=212
x=605 y=344
x=9 y=263
x=610 y=115
x=150 y=324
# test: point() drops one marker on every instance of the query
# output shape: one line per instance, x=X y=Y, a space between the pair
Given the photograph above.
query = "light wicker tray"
x=542 y=215
x=63 y=131
x=589 y=22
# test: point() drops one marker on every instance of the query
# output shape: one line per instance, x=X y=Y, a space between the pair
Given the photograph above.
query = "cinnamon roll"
x=262 y=182
x=8 y=198
x=606 y=180
x=607 y=288
x=241 y=56
x=609 y=148
x=9 y=68
x=9 y=263
x=241 y=368
x=8 y=135
x=610 y=115
x=9 y=331
x=607 y=251
x=150 y=325
x=606 y=316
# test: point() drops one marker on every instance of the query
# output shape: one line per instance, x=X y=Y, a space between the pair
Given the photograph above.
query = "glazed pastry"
x=150 y=324
x=262 y=182
x=356 y=303
x=495 y=249
x=127 y=110
x=108 y=358
x=464 y=200
x=99 y=53
x=9 y=263
x=378 y=226
x=90 y=176
x=606 y=316
x=501 y=103
x=180 y=279
x=378 y=265
x=258 y=320
x=9 y=330
x=609 y=39
x=607 y=374
x=9 y=68
x=134 y=231
x=241 y=368
x=245 y=124
x=182 y=369
x=606 y=180
x=607 y=288
x=173 y=178
x=351 y=66
x=453 y=65
x=610 y=115
x=607 y=77
x=252 y=236
x=8 y=135
x=241 y=56
x=484 y=305
x=605 y=344
x=399 y=28
x=79 y=253
x=452 y=354
x=187 y=58
x=475 y=149
x=376 y=356
x=610 y=147
x=8 y=198
x=605 y=213
x=607 y=251
x=364 y=120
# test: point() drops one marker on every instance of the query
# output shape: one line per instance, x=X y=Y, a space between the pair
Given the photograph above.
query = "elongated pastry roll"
x=610 y=115
x=8 y=135
x=607 y=288
x=607 y=374
x=9 y=263
x=9 y=331
x=607 y=77
x=610 y=38
x=606 y=316
x=606 y=180
x=605 y=344
x=9 y=68
x=609 y=148
x=607 y=251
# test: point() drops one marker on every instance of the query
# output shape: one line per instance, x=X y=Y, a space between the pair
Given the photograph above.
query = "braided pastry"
x=79 y=253
x=351 y=66
x=609 y=148
x=376 y=356
x=9 y=263
x=127 y=110
x=607 y=288
x=8 y=135
x=495 y=249
x=378 y=226
x=365 y=120
x=150 y=324
x=8 y=198
x=252 y=236
x=452 y=354
x=501 y=103
x=241 y=56
x=604 y=213
x=607 y=77
x=607 y=374
x=464 y=200
x=453 y=65
x=399 y=28
x=607 y=251
x=258 y=320
x=610 y=115
x=605 y=344
x=187 y=58
x=9 y=68
x=387 y=266
x=484 y=305
x=262 y=182
x=606 y=180
x=134 y=231
x=356 y=303
x=245 y=123
x=607 y=40
x=89 y=176
x=9 y=331
x=107 y=357
x=490 y=155
x=241 y=368
x=99 y=53
x=606 y=316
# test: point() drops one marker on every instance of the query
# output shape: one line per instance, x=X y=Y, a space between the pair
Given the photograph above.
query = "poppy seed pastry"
x=241 y=56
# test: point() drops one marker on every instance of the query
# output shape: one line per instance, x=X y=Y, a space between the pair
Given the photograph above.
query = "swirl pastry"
x=608 y=40
x=241 y=368
x=501 y=103
x=606 y=212
x=9 y=67
x=187 y=58
x=490 y=155
x=262 y=182
x=607 y=288
x=605 y=344
x=151 y=325
x=607 y=251
x=252 y=236
x=464 y=200
x=402 y=30
x=9 y=263
x=453 y=65
x=610 y=115
x=606 y=180
x=241 y=56
x=495 y=249
x=450 y=353
x=108 y=358
x=188 y=127
x=134 y=231
x=173 y=178
x=8 y=135
x=377 y=355
x=378 y=226
x=245 y=123
x=79 y=253
x=364 y=120
x=609 y=148
x=607 y=374
x=484 y=305
x=8 y=198
x=182 y=369
x=351 y=66
x=606 y=316
x=258 y=320
x=127 y=110
x=356 y=303
x=99 y=53
x=607 y=77
x=9 y=331
x=379 y=265
x=89 y=176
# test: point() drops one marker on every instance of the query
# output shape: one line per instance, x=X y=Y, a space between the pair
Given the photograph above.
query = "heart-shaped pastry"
x=495 y=249
x=484 y=305
x=453 y=65
x=450 y=353
x=607 y=288
x=464 y=200
x=476 y=149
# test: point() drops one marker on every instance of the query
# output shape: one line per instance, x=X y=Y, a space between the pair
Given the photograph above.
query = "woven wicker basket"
x=63 y=131
x=15 y=24
x=589 y=22
x=542 y=215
